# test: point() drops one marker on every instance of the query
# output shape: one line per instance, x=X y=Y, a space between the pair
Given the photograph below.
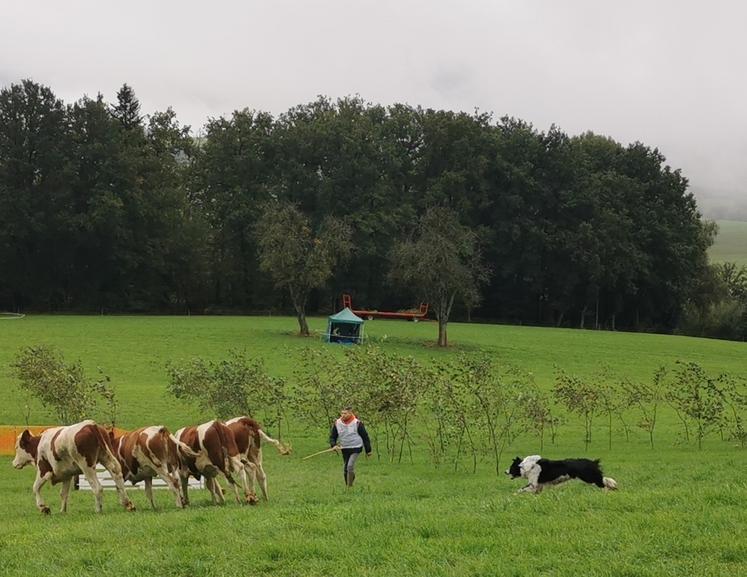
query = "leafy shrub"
x=235 y=386
x=63 y=389
x=724 y=319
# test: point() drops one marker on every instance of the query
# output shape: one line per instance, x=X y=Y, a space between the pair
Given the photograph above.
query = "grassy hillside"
x=679 y=511
x=731 y=242
x=134 y=352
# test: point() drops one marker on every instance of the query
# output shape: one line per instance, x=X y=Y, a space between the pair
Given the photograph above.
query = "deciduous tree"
x=442 y=262
x=299 y=258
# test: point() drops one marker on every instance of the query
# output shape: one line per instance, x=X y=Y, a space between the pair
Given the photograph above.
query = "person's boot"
x=350 y=479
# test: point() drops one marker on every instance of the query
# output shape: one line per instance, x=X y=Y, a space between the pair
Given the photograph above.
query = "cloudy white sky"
x=666 y=72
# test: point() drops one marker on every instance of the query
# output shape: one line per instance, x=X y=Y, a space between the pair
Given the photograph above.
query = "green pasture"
x=134 y=352
x=731 y=242
x=679 y=511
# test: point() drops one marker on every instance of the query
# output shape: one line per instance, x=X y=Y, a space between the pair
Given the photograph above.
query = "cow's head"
x=25 y=450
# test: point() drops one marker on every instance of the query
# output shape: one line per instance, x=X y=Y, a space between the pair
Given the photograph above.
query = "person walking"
x=352 y=437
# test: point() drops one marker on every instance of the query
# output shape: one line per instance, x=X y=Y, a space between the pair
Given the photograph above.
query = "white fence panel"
x=108 y=483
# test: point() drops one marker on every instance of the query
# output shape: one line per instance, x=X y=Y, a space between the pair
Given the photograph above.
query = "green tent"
x=345 y=328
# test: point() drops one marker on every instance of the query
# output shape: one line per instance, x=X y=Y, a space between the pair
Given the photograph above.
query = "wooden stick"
x=319 y=453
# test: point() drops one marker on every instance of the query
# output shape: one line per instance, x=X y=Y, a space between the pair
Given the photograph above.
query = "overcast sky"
x=668 y=73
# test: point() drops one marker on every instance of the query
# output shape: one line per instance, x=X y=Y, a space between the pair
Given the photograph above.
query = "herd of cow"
x=230 y=448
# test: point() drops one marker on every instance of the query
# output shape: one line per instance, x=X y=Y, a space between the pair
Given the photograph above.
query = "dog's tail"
x=609 y=483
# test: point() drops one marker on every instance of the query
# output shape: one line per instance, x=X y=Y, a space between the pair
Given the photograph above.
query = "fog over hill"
x=665 y=73
x=721 y=204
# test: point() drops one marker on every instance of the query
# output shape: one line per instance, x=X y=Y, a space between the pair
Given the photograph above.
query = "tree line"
x=106 y=209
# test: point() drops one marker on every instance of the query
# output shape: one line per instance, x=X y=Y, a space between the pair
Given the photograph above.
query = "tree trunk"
x=442 y=338
x=299 y=303
x=303 y=326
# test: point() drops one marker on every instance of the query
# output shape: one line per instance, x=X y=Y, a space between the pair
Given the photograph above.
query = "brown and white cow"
x=150 y=452
x=217 y=453
x=248 y=434
x=62 y=453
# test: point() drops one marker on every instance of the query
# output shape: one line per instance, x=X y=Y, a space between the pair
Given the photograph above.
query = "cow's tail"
x=221 y=429
x=282 y=449
x=181 y=449
x=171 y=455
x=105 y=445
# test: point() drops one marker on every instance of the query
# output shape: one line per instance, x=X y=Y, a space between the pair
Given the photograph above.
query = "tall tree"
x=101 y=252
x=297 y=257
x=34 y=198
x=179 y=255
x=441 y=263
x=231 y=180
x=127 y=109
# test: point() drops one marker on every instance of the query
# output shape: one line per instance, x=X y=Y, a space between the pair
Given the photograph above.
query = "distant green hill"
x=731 y=242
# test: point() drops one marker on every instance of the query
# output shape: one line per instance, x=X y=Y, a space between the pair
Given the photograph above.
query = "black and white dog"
x=542 y=472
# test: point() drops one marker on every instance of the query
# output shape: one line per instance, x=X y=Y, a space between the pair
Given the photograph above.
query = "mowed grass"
x=675 y=514
x=731 y=242
x=679 y=511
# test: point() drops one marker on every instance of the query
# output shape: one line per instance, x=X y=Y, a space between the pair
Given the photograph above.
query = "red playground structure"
x=414 y=315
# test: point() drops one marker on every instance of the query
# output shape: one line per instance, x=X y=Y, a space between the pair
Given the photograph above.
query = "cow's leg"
x=237 y=466
x=209 y=487
x=90 y=474
x=112 y=465
x=216 y=491
x=233 y=465
x=38 y=484
x=261 y=479
x=123 y=498
x=235 y=487
x=250 y=470
x=171 y=482
x=184 y=479
x=176 y=484
x=64 y=493
x=149 y=491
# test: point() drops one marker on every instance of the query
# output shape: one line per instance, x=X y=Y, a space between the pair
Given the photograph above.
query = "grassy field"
x=134 y=352
x=679 y=511
x=731 y=242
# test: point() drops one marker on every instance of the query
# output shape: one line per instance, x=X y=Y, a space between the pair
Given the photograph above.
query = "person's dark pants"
x=349 y=457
